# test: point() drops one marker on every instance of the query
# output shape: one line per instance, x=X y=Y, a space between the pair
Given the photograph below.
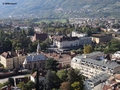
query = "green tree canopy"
x=1 y=65
x=51 y=64
x=31 y=85
x=76 y=86
x=112 y=46
x=11 y=81
x=62 y=74
x=31 y=31
x=75 y=76
x=88 y=49
x=52 y=80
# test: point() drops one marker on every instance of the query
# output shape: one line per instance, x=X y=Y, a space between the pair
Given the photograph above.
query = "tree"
x=7 y=44
x=31 y=85
x=87 y=49
x=1 y=85
x=23 y=33
x=112 y=46
x=51 y=64
x=25 y=87
x=11 y=81
x=45 y=44
x=65 y=86
x=30 y=31
x=52 y=81
x=62 y=74
x=22 y=86
x=75 y=76
x=76 y=86
x=49 y=84
x=1 y=65
x=6 y=83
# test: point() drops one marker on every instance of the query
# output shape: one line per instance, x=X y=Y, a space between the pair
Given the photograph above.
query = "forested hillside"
x=61 y=8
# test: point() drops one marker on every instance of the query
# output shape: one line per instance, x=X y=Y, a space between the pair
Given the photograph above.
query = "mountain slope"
x=61 y=8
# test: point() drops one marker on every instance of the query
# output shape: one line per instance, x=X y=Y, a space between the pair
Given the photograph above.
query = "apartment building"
x=85 y=40
x=94 y=63
x=96 y=82
x=10 y=61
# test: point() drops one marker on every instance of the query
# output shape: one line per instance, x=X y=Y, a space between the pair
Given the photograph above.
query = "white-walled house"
x=33 y=78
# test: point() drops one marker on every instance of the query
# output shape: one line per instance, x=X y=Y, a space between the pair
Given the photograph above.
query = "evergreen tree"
x=51 y=64
x=52 y=80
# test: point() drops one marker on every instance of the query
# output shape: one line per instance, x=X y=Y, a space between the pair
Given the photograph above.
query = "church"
x=35 y=60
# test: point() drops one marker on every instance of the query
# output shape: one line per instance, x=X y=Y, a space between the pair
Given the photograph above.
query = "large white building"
x=65 y=42
x=92 y=64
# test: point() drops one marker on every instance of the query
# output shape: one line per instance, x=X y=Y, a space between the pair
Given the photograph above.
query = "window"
x=35 y=65
x=29 y=66
x=40 y=64
x=75 y=60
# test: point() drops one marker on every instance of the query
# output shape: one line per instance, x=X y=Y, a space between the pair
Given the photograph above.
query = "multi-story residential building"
x=96 y=82
x=101 y=38
x=11 y=62
x=35 y=60
x=85 y=40
x=94 y=63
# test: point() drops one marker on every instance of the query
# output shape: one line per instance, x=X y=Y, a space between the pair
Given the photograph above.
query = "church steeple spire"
x=38 y=48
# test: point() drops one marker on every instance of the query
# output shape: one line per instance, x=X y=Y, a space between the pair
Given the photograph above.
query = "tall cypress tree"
x=37 y=80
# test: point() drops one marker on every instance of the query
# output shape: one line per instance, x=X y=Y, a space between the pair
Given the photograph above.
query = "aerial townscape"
x=60 y=45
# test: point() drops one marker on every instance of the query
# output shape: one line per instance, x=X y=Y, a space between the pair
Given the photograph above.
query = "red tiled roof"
x=6 y=55
x=117 y=76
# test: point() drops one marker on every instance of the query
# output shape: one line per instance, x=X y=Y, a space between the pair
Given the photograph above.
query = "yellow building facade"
x=10 y=62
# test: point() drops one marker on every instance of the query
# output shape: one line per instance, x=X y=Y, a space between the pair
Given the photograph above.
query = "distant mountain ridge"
x=61 y=8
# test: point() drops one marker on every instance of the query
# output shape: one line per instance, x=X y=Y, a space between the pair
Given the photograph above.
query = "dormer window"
x=75 y=60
